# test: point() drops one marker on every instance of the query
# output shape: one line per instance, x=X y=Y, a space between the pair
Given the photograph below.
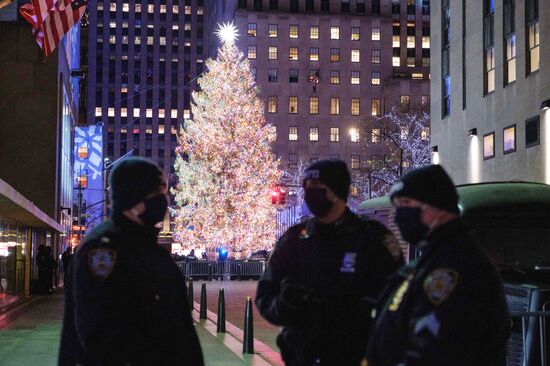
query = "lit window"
x=98 y=111
x=511 y=58
x=355 y=77
x=200 y=10
x=293 y=53
x=534 y=42
x=334 y=105
x=355 y=33
x=175 y=9
x=112 y=7
x=509 y=141
x=314 y=134
x=405 y=103
x=272 y=75
x=293 y=31
x=410 y=42
x=161 y=129
x=334 y=54
x=354 y=135
x=489 y=146
x=188 y=10
x=334 y=134
x=149 y=113
x=376 y=135
x=251 y=52
x=161 y=113
x=293 y=133
x=411 y=62
x=272 y=104
x=112 y=39
x=355 y=162
x=100 y=6
x=396 y=41
x=313 y=105
x=123 y=112
x=314 y=32
x=375 y=56
x=125 y=7
x=334 y=32
x=425 y=100
x=110 y=112
x=314 y=54
x=150 y=40
x=335 y=77
x=136 y=112
x=355 y=106
x=425 y=133
x=174 y=113
x=82 y=179
x=490 y=64
x=272 y=52
x=150 y=8
x=426 y=42
x=376 y=109
x=252 y=31
x=355 y=56
x=163 y=9
x=375 y=78
x=137 y=40
x=272 y=30
x=375 y=34
x=293 y=105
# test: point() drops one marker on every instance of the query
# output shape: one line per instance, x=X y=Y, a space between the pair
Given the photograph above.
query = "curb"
x=18 y=308
x=263 y=356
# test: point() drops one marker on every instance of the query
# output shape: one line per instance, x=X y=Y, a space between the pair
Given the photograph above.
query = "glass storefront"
x=18 y=248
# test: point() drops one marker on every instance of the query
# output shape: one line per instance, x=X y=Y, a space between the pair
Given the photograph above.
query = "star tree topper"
x=227 y=32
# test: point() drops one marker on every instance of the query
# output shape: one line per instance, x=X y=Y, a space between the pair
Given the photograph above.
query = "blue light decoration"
x=222 y=254
x=88 y=172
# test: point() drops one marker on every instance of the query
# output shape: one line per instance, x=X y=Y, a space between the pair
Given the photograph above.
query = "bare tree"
x=403 y=142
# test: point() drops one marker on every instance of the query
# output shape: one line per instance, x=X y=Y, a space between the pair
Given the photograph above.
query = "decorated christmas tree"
x=224 y=162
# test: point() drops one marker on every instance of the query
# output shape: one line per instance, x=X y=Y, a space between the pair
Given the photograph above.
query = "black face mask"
x=155 y=209
x=410 y=226
x=317 y=201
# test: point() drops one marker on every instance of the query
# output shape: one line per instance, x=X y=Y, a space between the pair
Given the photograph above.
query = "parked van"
x=512 y=223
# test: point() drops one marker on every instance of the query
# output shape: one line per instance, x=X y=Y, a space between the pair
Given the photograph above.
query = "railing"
x=226 y=270
x=529 y=338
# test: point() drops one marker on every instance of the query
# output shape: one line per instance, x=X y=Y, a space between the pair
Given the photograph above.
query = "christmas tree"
x=224 y=162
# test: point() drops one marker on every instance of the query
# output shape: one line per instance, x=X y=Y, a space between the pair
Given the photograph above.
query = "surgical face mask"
x=155 y=209
x=317 y=201
x=410 y=225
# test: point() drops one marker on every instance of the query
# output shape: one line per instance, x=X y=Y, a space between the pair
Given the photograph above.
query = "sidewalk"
x=33 y=337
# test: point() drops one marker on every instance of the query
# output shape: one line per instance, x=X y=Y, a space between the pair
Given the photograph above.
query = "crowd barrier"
x=226 y=270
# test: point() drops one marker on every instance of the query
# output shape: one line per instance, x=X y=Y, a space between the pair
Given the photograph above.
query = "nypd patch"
x=440 y=284
x=348 y=263
x=101 y=262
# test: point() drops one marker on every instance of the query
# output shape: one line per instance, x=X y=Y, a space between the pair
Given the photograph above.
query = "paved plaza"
x=32 y=338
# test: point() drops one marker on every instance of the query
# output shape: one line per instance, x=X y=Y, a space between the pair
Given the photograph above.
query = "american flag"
x=51 y=19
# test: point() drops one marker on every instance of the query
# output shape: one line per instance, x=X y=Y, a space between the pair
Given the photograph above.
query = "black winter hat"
x=431 y=185
x=132 y=180
x=334 y=173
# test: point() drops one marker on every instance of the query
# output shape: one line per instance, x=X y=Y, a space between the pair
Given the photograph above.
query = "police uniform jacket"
x=447 y=308
x=126 y=303
x=345 y=264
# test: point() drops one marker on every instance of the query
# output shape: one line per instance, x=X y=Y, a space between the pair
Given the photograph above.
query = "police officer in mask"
x=126 y=300
x=447 y=307
x=325 y=274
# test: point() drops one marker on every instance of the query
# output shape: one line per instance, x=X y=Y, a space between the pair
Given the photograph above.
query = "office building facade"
x=490 y=89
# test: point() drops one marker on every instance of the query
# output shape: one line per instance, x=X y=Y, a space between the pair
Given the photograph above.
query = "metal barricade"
x=226 y=270
x=528 y=343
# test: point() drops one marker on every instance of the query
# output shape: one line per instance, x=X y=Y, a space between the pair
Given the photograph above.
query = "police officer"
x=125 y=299
x=325 y=273
x=447 y=307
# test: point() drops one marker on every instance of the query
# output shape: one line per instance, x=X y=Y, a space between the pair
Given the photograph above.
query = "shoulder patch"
x=101 y=262
x=440 y=284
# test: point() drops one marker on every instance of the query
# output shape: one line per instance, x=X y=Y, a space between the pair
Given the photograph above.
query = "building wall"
x=395 y=81
x=144 y=59
x=507 y=105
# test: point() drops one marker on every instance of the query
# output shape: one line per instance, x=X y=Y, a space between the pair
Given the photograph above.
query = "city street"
x=33 y=337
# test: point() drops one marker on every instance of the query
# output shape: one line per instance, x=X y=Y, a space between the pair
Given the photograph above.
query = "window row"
x=334 y=76
x=334 y=106
x=313 y=32
x=509 y=135
x=273 y=54
x=334 y=134
x=150 y=8
x=137 y=112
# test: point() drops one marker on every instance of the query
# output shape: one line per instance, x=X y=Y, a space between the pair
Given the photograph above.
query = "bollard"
x=248 y=340
x=190 y=294
x=202 y=313
x=220 y=328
